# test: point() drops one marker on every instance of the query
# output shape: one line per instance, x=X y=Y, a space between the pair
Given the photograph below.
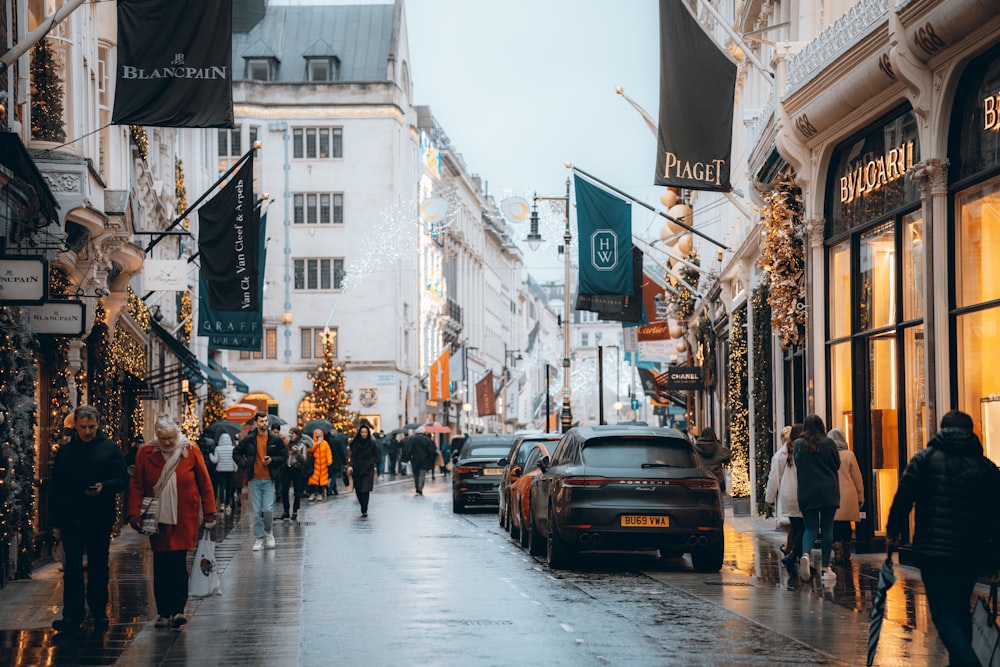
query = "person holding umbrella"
x=956 y=491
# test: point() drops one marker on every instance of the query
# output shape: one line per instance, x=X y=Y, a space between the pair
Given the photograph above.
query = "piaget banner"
x=174 y=63
x=604 y=224
x=697 y=83
x=231 y=250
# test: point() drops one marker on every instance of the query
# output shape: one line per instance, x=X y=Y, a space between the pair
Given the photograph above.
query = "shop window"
x=840 y=290
x=913 y=266
x=841 y=386
x=978 y=338
x=914 y=390
x=977 y=245
x=877 y=277
x=884 y=424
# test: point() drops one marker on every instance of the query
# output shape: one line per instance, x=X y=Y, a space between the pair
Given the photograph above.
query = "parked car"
x=520 y=491
x=477 y=470
x=626 y=487
x=513 y=465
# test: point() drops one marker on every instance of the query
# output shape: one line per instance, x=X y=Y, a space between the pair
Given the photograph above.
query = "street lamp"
x=567 y=414
x=534 y=239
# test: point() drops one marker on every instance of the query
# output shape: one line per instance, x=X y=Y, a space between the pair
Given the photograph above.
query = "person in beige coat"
x=852 y=497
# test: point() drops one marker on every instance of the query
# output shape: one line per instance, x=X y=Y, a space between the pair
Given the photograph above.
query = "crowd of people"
x=174 y=487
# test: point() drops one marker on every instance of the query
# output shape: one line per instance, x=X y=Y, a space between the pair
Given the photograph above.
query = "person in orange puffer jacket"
x=322 y=458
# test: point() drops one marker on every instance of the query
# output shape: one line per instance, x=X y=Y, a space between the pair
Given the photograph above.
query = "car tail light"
x=465 y=470
x=699 y=483
x=588 y=482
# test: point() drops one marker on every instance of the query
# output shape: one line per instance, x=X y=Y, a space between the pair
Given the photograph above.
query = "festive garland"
x=680 y=303
x=215 y=407
x=56 y=358
x=736 y=404
x=763 y=408
x=141 y=140
x=783 y=260
x=706 y=339
x=18 y=410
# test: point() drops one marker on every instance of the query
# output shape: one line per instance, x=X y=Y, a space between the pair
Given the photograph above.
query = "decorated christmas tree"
x=329 y=398
x=46 y=96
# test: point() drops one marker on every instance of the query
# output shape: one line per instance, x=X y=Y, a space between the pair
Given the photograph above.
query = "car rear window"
x=637 y=452
x=485 y=451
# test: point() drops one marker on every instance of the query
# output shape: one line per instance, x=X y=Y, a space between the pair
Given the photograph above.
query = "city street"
x=414 y=584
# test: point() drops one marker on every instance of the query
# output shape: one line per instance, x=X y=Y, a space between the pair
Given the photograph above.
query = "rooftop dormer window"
x=322 y=68
x=261 y=69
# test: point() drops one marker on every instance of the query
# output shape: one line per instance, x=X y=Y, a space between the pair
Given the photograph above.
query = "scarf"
x=168 y=494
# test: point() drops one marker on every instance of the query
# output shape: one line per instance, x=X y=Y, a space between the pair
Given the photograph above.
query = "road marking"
x=567 y=628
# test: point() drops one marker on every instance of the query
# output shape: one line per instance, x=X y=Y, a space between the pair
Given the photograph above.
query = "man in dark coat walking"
x=338 y=450
x=956 y=491
x=422 y=453
x=87 y=474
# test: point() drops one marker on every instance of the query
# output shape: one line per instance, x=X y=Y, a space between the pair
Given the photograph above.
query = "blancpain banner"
x=164 y=275
x=58 y=318
x=23 y=279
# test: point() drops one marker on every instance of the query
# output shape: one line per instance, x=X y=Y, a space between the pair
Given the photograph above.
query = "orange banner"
x=440 y=378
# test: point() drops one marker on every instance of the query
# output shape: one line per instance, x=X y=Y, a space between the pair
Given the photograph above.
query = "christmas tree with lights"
x=46 y=96
x=329 y=398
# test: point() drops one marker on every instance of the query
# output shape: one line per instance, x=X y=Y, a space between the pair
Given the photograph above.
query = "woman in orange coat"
x=322 y=458
x=186 y=504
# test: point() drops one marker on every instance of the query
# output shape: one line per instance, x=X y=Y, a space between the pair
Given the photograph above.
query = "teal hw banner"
x=604 y=225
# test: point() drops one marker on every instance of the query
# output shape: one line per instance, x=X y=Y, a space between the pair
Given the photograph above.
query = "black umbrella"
x=396 y=431
x=218 y=428
x=322 y=424
x=412 y=427
x=886 y=578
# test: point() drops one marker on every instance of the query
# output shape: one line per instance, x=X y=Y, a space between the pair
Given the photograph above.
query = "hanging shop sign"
x=23 y=280
x=58 y=318
x=166 y=275
x=683 y=378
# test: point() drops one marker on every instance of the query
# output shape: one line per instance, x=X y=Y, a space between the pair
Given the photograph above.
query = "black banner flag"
x=174 y=63
x=230 y=245
x=697 y=83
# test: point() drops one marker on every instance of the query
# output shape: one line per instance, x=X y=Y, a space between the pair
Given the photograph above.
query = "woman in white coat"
x=782 y=494
x=852 y=497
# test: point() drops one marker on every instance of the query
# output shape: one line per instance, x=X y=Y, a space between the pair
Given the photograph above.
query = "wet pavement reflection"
x=415 y=584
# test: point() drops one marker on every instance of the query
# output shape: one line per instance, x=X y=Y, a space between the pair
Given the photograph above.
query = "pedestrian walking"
x=317 y=484
x=292 y=477
x=422 y=453
x=783 y=493
x=137 y=442
x=88 y=473
x=338 y=452
x=225 y=470
x=261 y=454
x=384 y=457
x=186 y=505
x=956 y=491
x=817 y=461
x=852 y=497
x=714 y=455
x=363 y=465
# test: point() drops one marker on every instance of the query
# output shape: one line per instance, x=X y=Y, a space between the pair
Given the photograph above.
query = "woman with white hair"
x=174 y=471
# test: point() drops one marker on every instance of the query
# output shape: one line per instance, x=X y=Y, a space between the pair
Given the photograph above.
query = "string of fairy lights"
x=763 y=396
x=189 y=423
x=736 y=404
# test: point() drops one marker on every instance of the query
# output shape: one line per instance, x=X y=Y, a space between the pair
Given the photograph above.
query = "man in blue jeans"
x=957 y=494
x=261 y=454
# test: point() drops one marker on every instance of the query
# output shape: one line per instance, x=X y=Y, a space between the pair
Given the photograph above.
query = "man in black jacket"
x=957 y=492
x=87 y=474
x=422 y=453
x=261 y=454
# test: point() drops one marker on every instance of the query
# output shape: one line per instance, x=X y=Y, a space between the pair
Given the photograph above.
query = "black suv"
x=626 y=487
x=477 y=471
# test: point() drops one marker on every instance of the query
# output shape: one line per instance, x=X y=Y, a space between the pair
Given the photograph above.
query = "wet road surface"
x=415 y=584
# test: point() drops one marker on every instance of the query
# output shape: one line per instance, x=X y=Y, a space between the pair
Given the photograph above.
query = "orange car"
x=520 y=494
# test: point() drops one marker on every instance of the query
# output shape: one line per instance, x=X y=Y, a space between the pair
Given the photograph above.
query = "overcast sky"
x=523 y=86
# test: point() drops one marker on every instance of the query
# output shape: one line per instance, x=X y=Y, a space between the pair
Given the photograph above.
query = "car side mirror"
x=515 y=471
x=454 y=457
x=543 y=465
x=503 y=462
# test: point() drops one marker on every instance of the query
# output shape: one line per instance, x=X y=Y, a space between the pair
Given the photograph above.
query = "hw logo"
x=604 y=250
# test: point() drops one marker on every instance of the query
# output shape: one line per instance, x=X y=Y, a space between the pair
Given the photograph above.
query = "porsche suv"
x=478 y=471
x=626 y=487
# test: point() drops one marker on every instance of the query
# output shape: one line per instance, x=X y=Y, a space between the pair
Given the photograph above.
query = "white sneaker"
x=828 y=576
x=269 y=540
x=804 y=572
x=258 y=545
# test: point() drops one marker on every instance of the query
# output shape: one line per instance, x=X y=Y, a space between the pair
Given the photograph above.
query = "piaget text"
x=706 y=172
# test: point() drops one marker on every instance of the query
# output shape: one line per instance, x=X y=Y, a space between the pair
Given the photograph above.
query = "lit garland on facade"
x=329 y=399
x=783 y=260
x=140 y=139
x=705 y=338
x=139 y=312
x=18 y=410
x=681 y=305
x=763 y=394
x=190 y=424
x=215 y=407
x=56 y=358
x=736 y=404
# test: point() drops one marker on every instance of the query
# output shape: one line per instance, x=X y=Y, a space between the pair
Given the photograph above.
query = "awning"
x=238 y=384
x=195 y=371
x=14 y=156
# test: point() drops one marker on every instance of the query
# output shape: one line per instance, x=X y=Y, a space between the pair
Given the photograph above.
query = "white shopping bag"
x=205 y=580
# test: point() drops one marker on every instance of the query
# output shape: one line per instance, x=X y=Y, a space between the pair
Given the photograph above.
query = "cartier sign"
x=58 y=318
x=23 y=280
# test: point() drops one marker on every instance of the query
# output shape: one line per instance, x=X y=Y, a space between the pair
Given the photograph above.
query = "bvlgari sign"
x=23 y=279
x=58 y=318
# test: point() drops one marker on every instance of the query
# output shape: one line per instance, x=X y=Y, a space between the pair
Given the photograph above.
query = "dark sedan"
x=477 y=471
x=513 y=468
x=626 y=488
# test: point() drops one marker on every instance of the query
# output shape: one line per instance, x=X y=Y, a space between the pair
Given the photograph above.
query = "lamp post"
x=566 y=418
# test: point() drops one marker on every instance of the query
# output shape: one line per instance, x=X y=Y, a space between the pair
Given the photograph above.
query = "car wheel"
x=557 y=552
x=536 y=546
x=525 y=534
x=514 y=524
x=503 y=518
x=709 y=558
x=457 y=507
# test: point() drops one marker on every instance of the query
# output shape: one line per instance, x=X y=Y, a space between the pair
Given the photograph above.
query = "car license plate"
x=492 y=471
x=644 y=521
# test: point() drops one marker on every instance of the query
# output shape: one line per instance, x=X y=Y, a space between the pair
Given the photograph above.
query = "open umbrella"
x=436 y=427
x=218 y=428
x=411 y=427
x=394 y=432
x=886 y=578
x=322 y=424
